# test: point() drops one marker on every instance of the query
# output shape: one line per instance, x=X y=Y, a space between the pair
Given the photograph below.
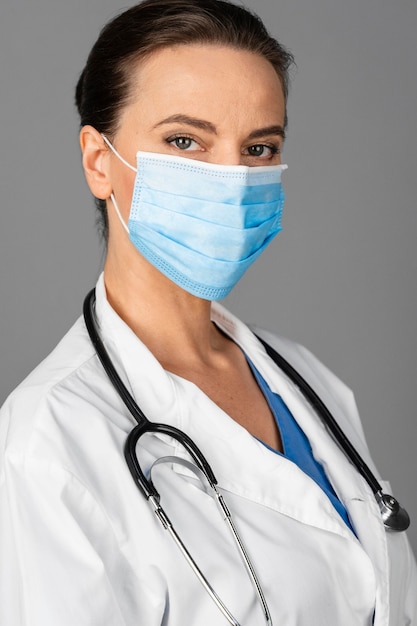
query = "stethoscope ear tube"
x=394 y=516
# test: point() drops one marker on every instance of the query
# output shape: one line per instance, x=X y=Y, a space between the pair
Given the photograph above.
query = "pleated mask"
x=202 y=225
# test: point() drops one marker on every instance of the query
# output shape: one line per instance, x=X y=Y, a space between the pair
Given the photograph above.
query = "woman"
x=177 y=96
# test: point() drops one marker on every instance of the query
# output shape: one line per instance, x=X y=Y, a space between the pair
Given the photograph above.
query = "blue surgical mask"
x=200 y=224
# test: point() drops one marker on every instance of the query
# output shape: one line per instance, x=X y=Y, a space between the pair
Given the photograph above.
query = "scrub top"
x=296 y=445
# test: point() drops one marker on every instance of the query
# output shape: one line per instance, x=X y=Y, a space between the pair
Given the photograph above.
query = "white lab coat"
x=79 y=546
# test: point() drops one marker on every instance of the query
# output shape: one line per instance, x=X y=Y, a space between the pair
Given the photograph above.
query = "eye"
x=262 y=150
x=183 y=142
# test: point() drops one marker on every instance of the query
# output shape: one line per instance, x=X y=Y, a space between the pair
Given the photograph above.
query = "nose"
x=227 y=153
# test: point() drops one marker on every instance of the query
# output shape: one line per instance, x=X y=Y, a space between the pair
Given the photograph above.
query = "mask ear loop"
x=119 y=215
x=119 y=156
x=113 y=199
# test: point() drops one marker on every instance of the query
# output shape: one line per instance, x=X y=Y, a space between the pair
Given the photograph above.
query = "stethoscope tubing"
x=145 y=484
x=325 y=416
x=92 y=328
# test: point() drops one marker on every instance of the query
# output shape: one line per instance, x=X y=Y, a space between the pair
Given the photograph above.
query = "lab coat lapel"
x=247 y=468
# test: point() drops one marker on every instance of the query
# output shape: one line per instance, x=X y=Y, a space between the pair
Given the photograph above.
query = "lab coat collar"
x=247 y=468
x=140 y=371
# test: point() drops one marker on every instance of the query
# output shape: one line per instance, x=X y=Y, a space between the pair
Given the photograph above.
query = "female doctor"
x=183 y=115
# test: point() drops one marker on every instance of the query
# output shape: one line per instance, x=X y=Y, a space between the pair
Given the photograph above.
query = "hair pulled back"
x=104 y=86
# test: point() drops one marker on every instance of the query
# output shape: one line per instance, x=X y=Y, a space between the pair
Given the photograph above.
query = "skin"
x=237 y=98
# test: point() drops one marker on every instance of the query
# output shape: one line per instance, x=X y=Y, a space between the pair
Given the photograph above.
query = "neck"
x=175 y=325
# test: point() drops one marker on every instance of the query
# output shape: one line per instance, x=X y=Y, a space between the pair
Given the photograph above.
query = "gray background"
x=340 y=279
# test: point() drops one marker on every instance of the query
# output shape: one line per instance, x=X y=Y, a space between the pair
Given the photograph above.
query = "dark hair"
x=104 y=86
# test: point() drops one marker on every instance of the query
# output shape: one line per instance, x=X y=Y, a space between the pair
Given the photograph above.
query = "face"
x=204 y=102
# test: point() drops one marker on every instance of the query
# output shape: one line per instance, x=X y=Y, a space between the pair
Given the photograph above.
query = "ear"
x=96 y=162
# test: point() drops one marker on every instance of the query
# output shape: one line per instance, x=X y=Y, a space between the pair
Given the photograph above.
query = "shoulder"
x=52 y=392
x=70 y=354
x=65 y=424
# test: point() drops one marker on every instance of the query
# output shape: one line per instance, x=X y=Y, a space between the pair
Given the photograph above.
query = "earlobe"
x=95 y=162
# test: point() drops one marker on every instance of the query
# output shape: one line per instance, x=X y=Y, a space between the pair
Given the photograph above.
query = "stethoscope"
x=394 y=516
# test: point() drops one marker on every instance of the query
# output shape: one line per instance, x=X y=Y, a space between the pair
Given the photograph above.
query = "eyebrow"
x=191 y=121
x=208 y=126
x=268 y=130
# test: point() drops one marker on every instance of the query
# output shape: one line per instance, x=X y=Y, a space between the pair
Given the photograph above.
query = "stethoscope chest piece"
x=394 y=516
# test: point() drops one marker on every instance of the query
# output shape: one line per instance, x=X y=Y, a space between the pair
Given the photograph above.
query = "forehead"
x=215 y=82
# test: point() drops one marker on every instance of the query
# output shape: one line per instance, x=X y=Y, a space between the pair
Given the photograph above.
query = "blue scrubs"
x=296 y=445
